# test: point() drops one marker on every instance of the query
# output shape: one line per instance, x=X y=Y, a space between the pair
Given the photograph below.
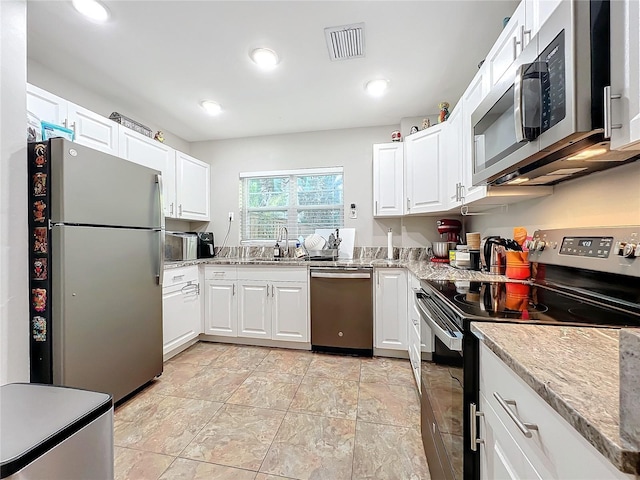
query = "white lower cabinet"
x=554 y=449
x=391 y=309
x=180 y=309
x=257 y=302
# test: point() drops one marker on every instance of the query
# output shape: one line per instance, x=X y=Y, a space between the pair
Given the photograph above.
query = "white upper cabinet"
x=625 y=74
x=537 y=12
x=508 y=46
x=473 y=95
x=46 y=106
x=453 y=159
x=388 y=179
x=192 y=188
x=425 y=173
x=92 y=130
x=150 y=153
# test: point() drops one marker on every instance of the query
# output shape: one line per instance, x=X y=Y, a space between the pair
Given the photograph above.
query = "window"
x=301 y=200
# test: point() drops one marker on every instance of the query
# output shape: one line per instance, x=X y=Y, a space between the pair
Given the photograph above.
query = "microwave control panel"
x=598 y=247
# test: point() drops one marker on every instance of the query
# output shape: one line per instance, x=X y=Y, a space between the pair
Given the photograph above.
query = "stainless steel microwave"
x=545 y=121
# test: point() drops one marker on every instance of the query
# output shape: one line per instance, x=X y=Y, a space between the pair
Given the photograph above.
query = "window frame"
x=291 y=209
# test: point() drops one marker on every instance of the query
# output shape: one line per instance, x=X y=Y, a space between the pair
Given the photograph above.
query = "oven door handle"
x=453 y=341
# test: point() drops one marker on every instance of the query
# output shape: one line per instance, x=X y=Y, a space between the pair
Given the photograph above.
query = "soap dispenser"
x=276 y=250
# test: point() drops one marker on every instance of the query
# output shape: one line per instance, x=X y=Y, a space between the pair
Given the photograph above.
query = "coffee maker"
x=205 y=245
x=451 y=228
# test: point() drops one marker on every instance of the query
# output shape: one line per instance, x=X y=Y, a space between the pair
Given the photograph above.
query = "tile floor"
x=239 y=412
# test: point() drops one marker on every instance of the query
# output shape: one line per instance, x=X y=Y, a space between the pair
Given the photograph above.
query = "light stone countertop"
x=423 y=269
x=576 y=370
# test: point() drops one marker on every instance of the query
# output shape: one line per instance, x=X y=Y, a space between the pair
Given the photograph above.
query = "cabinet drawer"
x=273 y=274
x=555 y=446
x=220 y=272
x=174 y=276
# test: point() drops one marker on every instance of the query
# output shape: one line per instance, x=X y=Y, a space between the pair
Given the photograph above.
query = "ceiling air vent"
x=345 y=42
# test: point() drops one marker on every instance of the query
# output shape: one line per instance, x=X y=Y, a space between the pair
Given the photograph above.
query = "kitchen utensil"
x=518 y=266
x=520 y=235
x=441 y=249
x=512 y=245
x=473 y=240
x=314 y=242
x=451 y=228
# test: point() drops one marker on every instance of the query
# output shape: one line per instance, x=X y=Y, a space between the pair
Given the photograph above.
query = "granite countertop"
x=423 y=269
x=576 y=370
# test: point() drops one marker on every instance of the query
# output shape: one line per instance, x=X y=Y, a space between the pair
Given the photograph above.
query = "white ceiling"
x=163 y=57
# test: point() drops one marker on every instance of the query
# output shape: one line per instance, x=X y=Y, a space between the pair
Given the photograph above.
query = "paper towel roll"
x=389 y=245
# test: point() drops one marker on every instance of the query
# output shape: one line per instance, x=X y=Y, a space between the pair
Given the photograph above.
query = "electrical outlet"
x=231 y=216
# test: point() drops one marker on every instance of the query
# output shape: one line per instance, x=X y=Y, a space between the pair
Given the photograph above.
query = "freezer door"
x=107 y=308
x=93 y=188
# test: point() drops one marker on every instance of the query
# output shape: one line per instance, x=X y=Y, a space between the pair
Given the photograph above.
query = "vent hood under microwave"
x=552 y=123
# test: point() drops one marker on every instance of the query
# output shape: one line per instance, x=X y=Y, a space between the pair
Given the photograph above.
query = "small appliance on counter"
x=451 y=228
x=206 y=247
x=180 y=246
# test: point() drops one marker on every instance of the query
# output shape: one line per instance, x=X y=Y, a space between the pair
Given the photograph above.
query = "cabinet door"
x=391 y=309
x=475 y=93
x=290 y=311
x=536 y=13
x=93 y=130
x=254 y=314
x=500 y=456
x=180 y=316
x=388 y=180
x=193 y=190
x=625 y=74
x=425 y=178
x=453 y=158
x=507 y=47
x=46 y=106
x=153 y=154
x=221 y=308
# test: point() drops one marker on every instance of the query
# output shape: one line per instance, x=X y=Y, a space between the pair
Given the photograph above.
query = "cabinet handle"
x=473 y=415
x=177 y=277
x=376 y=207
x=408 y=204
x=171 y=208
x=272 y=294
x=267 y=290
x=607 y=111
x=516 y=42
x=462 y=192
x=233 y=290
x=180 y=210
x=525 y=428
x=524 y=32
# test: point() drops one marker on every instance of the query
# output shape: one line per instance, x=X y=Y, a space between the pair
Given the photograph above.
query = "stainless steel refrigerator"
x=96 y=240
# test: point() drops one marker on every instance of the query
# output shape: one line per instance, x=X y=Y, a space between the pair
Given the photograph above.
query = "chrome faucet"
x=284 y=250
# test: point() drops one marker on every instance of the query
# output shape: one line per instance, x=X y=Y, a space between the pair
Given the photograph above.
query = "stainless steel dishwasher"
x=342 y=310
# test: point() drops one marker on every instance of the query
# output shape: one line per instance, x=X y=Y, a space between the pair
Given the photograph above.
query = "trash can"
x=57 y=433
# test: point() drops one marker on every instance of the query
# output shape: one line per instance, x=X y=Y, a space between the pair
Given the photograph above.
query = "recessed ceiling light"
x=376 y=88
x=92 y=9
x=265 y=58
x=211 y=107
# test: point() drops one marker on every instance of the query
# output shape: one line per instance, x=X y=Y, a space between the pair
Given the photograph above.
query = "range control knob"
x=540 y=246
x=629 y=250
x=531 y=244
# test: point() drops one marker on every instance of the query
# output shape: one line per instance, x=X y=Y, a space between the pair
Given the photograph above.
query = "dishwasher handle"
x=340 y=275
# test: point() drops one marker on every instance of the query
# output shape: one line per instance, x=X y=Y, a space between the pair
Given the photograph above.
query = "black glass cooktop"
x=520 y=302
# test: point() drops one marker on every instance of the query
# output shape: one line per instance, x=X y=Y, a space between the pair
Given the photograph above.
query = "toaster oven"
x=180 y=246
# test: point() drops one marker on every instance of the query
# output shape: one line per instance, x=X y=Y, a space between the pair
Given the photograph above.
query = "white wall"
x=350 y=148
x=608 y=198
x=14 y=283
x=41 y=76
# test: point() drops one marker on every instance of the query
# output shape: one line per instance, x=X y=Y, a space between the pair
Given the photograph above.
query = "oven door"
x=443 y=328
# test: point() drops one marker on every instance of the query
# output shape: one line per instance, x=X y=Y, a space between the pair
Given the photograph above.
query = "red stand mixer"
x=452 y=229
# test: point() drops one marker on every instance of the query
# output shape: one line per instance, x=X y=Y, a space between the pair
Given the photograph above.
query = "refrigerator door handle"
x=161 y=232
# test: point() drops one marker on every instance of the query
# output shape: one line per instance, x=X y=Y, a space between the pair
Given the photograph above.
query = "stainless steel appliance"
x=180 y=246
x=96 y=264
x=342 y=310
x=552 y=122
x=587 y=276
x=206 y=248
x=55 y=433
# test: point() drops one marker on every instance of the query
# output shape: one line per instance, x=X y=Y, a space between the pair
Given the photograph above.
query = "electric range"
x=581 y=277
